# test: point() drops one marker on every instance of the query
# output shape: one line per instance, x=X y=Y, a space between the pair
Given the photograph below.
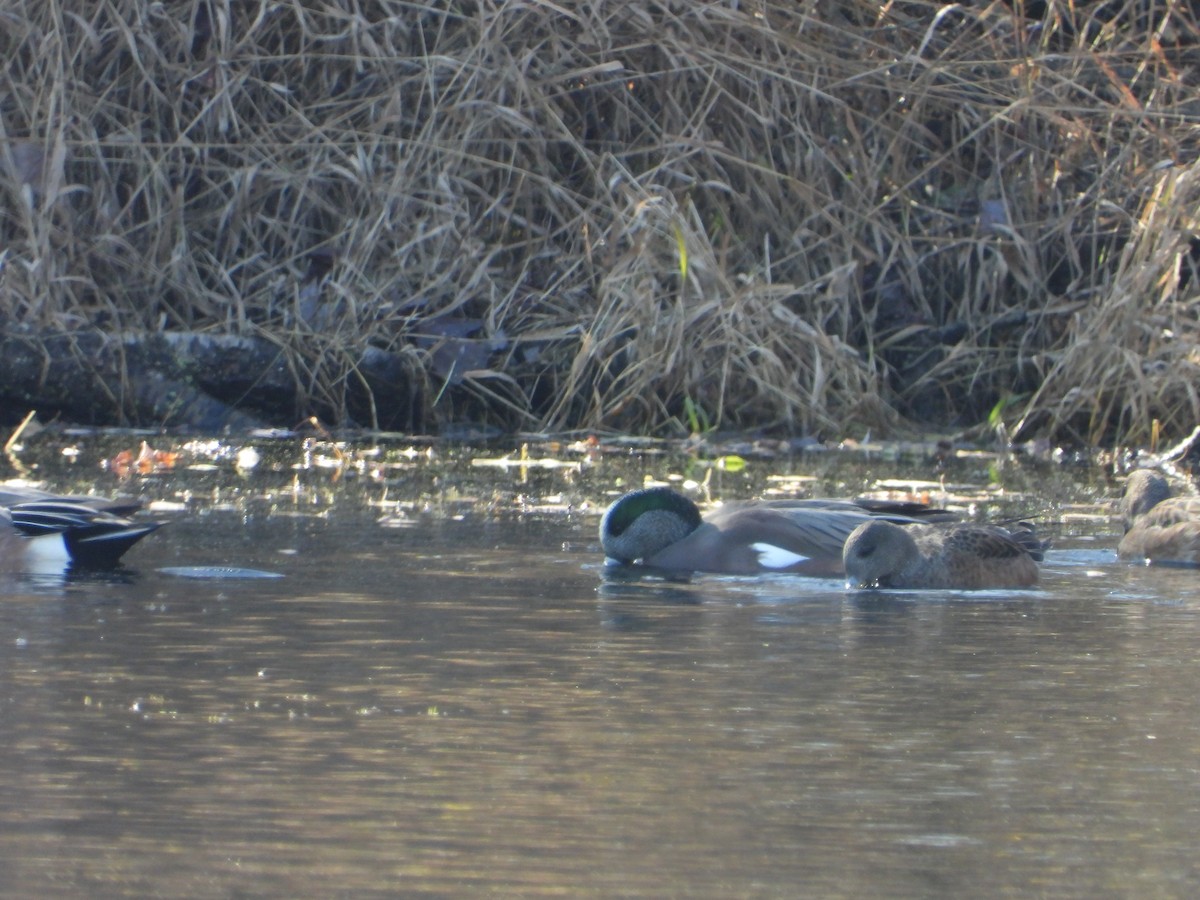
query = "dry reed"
x=642 y=215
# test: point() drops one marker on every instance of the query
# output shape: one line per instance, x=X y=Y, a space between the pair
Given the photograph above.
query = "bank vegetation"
x=628 y=215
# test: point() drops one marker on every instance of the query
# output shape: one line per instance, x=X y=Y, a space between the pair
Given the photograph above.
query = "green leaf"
x=731 y=463
x=681 y=245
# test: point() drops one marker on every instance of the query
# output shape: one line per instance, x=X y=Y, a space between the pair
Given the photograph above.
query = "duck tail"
x=1025 y=534
x=93 y=536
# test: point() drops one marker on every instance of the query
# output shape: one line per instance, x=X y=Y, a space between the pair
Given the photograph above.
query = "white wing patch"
x=772 y=557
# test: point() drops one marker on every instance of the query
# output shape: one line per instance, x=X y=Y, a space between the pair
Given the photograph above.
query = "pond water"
x=447 y=694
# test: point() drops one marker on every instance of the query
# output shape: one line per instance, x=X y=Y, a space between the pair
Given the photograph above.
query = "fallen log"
x=209 y=382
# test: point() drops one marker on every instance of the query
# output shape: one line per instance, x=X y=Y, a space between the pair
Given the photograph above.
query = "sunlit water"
x=473 y=706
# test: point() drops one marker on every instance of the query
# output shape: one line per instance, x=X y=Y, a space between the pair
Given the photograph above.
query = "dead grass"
x=639 y=215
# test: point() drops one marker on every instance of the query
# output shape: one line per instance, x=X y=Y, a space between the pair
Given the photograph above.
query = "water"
x=454 y=698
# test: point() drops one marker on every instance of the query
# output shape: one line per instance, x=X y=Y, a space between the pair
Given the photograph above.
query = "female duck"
x=969 y=557
x=1159 y=528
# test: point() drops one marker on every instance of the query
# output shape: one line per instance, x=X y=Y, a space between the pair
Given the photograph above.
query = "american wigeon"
x=662 y=529
x=92 y=530
x=970 y=557
x=1159 y=528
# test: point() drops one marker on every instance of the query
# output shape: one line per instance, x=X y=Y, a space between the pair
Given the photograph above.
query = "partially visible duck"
x=93 y=531
x=1159 y=528
x=968 y=557
x=662 y=529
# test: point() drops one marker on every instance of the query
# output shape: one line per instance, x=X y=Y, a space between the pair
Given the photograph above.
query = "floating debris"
x=214 y=572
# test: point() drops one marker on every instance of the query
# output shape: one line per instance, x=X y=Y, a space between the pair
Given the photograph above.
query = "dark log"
x=208 y=382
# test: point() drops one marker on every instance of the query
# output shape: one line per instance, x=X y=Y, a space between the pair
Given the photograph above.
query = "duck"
x=662 y=529
x=93 y=531
x=1159 y=528
x=881 y=554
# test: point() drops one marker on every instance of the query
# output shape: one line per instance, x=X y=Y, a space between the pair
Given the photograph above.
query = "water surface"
x=452 y=696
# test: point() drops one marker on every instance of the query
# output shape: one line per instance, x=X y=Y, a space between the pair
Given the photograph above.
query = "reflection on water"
x=478 y=706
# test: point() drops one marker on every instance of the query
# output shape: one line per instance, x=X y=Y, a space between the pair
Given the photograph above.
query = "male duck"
x=969 y=557
x=664 y=530
x=1159 y=528
x=94 y=531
